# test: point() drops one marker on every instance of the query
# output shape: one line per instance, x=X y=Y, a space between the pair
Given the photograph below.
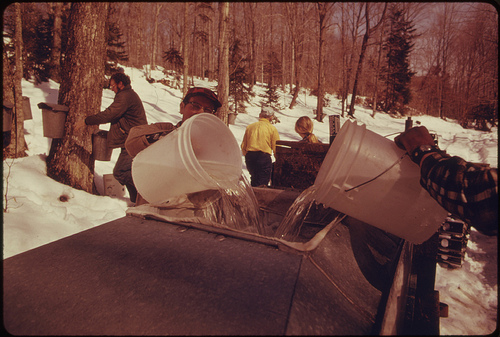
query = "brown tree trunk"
x=321 y=78
x=366 y=37
x=155 y=37
x=249 y=19
x=211 y=62
x=377 y=74
x=185 y=54
x=223 y=83
x=56 y=44
x=358 y=72
x=296 y=32
x=17 y=147
x=70 y=160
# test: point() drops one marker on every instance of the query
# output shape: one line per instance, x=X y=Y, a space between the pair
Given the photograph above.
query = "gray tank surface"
x=143 y=276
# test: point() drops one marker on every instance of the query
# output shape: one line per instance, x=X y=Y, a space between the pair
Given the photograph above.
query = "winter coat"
x=260 y=136
x=140 y=137
x=125 y=112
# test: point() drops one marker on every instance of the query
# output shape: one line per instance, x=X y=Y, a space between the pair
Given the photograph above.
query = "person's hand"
x=79 y=125
x=413 y=138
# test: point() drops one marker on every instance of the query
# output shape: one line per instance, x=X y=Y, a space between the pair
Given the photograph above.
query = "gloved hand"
x=413 y=138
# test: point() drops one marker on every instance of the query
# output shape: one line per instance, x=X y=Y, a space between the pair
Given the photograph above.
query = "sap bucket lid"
x=54 y=107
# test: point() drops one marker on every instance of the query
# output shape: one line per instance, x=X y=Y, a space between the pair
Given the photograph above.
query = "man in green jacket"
x=125 y=112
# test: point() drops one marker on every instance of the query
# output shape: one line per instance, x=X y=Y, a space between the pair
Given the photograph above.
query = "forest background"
x=438 y=59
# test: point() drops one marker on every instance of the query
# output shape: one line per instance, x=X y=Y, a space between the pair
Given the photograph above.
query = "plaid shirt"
x=465 y=189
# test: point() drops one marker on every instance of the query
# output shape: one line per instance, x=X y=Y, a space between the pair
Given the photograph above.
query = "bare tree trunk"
x=377 y=73
x=140 y=40
x=366 y=37
x=185 y=55
x=223 y=83
x=211 y=58
x=155 y=37
x=283 y=60
x=249 y=18
x=294 y=76
x=321 y=77
x=17 y=147
x=292 y=67
x=70 y=160
x=344 y=56
x=56 y=44
x=296 y=31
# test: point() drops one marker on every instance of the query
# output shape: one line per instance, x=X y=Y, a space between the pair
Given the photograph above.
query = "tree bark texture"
x=223 y=83
x=185 y=55
x=56 y=44
x=17 y=147
x=321 y=76
x=70 y=160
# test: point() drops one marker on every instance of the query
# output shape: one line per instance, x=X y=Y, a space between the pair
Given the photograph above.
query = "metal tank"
x=141 y=275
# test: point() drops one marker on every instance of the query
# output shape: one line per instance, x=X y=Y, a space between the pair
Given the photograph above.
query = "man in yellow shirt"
x=259 y=142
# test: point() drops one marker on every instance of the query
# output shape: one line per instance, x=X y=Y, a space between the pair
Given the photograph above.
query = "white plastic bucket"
x=202 y=154
x=394 y=202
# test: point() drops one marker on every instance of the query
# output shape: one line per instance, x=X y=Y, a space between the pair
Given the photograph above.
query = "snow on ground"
x=36 y=214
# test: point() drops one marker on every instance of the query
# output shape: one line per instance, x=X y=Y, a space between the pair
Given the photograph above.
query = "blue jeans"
x=260 y=167
x=123 y=173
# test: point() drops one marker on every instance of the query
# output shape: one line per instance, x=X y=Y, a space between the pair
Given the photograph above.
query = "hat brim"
x=216 y=102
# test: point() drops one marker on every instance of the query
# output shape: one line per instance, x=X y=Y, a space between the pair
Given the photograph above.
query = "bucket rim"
x=186 y=150
x=343 y=152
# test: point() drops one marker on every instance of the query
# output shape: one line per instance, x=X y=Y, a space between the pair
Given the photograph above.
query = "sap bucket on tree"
x=200 y=155
x=100 y=148
x=27 y=108
x=53 y=117
x=367 y=177
x=8 y=108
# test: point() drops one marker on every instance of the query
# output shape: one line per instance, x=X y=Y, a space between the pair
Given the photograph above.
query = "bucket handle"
x=369 y=181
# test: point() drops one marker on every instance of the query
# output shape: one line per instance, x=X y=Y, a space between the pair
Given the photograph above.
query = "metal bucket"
x=7 y=115
x=112 y=188
x=100 y=148
x=27 y=108
x=53 y=117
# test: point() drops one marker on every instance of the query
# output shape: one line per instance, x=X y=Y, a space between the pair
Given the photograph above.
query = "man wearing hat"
x=259 y=142
x=197 y=100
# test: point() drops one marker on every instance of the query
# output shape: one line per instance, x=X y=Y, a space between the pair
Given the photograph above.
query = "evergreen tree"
x=396 y=72
x=239 y=91
x=174 y=58
x=116 y=48
x=273 y=69
x=271 y=97
x=37 y=40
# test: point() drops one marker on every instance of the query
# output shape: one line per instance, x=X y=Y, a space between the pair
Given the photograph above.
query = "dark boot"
x=132 y=191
